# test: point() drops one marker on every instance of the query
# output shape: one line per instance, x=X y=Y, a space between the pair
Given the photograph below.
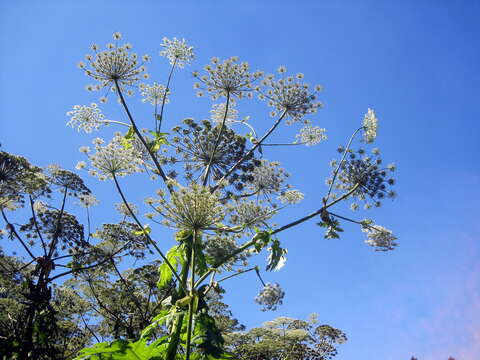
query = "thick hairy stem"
x=239 y=162
x=177 y=328
x=217 y=141
x=191 y=310
x=137 y=132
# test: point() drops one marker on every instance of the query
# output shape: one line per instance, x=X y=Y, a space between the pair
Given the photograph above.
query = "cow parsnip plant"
x=217 y=189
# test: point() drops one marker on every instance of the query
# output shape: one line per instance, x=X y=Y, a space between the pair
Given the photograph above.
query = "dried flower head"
x=68 y=180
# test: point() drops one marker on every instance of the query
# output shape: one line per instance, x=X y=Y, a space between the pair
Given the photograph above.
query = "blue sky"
x=414 y=62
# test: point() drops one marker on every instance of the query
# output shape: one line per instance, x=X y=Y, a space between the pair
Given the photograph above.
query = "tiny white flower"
x=178 y=52
x=370 y=124
x=88 y=118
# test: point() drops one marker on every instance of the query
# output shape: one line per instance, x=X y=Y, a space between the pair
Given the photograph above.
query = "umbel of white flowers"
x=190 y=208
x=270 y=297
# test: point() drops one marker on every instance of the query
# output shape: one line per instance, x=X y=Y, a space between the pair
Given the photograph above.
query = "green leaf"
x=276 y=258
x=175 y=257
x=125 y=350
x=157 y=321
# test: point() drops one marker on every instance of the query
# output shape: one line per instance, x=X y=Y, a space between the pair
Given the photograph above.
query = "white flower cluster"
x=370 y=124
x=250 y=213
x=114 y=64
x=123 y=209
x=178 y=52
x=379 y=237
x=87 y=117
x=218 y=113
x=87 y=200
x=227 y=77
x=114 y=159
x=291 y=197
x=39 y=207
x=267 y=178
x=190 y=208
x=219 y=247
x=270 y=297
x=311 y=135
x=290 y=96
x=154 y=94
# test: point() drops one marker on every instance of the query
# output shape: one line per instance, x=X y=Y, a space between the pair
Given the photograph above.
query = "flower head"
x=194 y=143
x=114 y=159
x=311 y=135
x=379 y=237
x=289 y=96
x=178 y=52
x=113 y=65
x=366 y=173
x=370 y=124
x=191 y=208
x=268 y=178
x=87 y=117
x=291 y=197
x=154 y=94
x=270 y=297
x=228 y=77
x=218 y=113
x=250 y=213
x=87 y=201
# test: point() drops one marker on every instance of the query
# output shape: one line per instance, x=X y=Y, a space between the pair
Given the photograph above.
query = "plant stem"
x=191 y=310
x=167 y=89
x=340 y=163
x=318 y=212
x=177 y=328
x=137 y=132
x=239 y=162
x=217 y=141
x=132 y=214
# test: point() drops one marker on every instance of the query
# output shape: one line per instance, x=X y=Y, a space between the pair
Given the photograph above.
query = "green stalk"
x=192 y=295
x=177 y=328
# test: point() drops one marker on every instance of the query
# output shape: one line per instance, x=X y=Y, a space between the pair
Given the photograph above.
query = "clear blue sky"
x=415 y=62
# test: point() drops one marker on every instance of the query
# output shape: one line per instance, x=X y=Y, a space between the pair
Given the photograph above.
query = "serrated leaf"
x=175 y=257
